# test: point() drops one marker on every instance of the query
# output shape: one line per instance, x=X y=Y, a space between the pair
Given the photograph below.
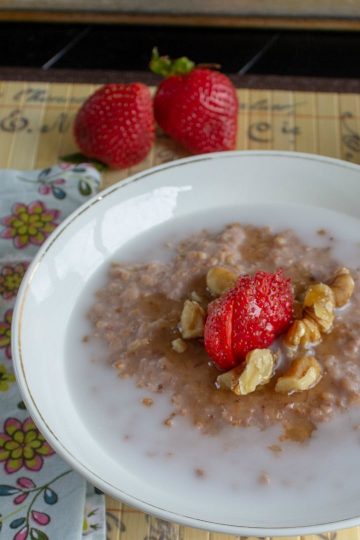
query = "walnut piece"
x=195 y=296
x=219 y=280
x=179 y=345
x=192 y=320
x=317 y=318
x=342 y=285
x=256 y=371
x=302 y=333
x=319 y=304
x=304 y=373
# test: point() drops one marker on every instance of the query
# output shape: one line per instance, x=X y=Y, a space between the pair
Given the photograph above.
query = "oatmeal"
x=137 y=315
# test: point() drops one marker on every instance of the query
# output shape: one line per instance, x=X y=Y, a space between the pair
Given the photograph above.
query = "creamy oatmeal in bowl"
x=151 y=317
x=202 y=358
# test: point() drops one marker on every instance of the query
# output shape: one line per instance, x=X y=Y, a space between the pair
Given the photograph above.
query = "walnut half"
x=319 y=304
x=342 y=285
x=219 y=280
x=302 y=333
x=192 y=320
x=318 y=317
x=304 y=373
x=256 y=371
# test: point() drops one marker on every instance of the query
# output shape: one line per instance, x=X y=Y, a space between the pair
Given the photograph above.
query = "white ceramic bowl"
x=86 y=241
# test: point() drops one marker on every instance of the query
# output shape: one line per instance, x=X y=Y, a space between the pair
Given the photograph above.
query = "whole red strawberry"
x=249 y=316
x=116 y=124
x=197 y=107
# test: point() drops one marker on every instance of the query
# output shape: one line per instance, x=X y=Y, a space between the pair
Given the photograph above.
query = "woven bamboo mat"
x=35 y=129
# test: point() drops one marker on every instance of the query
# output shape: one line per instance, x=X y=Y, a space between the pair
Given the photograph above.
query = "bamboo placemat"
x=35 y=129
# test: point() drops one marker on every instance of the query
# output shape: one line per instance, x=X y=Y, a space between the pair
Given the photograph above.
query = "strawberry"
x=116 y=124
x=196 y=106
x=218 y=331
x=249 y=316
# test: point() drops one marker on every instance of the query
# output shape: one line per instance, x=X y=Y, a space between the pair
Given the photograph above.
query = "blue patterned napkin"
x=40 y=496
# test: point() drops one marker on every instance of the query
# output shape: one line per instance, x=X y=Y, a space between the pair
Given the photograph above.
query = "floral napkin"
x=40 y=496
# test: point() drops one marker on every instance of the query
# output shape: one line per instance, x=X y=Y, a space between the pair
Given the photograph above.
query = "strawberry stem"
x=163 y=65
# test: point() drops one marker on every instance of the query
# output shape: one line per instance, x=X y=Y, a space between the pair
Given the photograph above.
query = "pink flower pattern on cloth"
x=5 y=333
x=10 y=278
x=37 y=489
x=22 y=445
x=29 y=224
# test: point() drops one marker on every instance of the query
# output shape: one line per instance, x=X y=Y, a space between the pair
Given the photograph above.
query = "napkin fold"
x=41 y=497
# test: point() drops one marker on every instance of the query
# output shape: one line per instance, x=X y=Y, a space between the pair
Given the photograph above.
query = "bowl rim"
x=47 y=431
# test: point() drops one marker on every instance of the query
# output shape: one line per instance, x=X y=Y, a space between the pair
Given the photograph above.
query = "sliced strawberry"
x=218 y=331
x=257 y=309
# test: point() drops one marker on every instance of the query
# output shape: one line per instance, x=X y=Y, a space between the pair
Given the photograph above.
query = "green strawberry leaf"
x=80 y=158
x=163 y=65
